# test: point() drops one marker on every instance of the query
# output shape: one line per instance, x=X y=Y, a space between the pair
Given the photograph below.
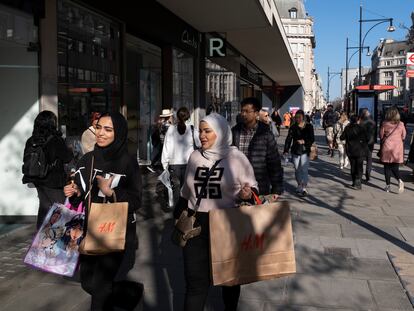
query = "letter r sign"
x=217 y=47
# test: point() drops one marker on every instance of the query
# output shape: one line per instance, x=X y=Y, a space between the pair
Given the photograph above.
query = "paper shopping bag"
x=106 y=229
x=251 y=243
x=55 y=246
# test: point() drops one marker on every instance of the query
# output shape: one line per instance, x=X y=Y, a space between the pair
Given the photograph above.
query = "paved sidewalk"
x=341 y=239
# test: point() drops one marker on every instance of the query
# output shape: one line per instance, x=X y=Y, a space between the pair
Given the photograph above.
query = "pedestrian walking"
x=287 y=117
x=88 y=139
x=299 y=141
x=277 y=119
x=356 y=140
x=366 y=121
x=317 y=119
x=392 y=135
x=179 y=142
x=230 y=186
x=44 y=157
x=115 y=177
x=159 y=131
x=329 y=120
x=257 y=142
x=338 y=130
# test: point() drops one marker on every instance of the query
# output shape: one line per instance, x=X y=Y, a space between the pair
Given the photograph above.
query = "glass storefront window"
x=143 y=95
x=183 y=80
x=84 y=68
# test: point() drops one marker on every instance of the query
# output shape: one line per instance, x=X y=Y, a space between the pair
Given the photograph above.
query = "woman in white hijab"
x=231 y=182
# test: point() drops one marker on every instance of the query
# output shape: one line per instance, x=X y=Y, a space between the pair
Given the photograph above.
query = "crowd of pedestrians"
x=244 y=160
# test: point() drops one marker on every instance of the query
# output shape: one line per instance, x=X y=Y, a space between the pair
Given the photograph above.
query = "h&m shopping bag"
x=106 y=228
x=251 y=243
x=55 y=246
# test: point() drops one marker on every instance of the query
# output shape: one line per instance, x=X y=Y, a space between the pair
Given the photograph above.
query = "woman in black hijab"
x=117 y=175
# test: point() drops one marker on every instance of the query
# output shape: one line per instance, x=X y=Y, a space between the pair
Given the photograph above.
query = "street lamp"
x=331 y=75
x=348 y=61
x=379 y=21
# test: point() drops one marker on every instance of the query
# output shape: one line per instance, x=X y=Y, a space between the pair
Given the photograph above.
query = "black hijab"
x=118 y=148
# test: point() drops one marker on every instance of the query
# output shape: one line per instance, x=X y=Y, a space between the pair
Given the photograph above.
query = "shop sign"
x=250 y=76
x=216 y=47
x=189 y=39
x=410 y=65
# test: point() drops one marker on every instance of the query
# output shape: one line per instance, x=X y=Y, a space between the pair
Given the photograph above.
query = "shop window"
x=86 y=87
x=183 y=80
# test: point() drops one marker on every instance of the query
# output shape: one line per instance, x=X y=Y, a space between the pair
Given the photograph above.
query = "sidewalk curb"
x=14 y=231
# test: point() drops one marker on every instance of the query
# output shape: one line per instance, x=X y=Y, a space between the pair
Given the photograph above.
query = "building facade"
x=82 y=56
x=299 y=30
x=352 y=77
x=389 y=68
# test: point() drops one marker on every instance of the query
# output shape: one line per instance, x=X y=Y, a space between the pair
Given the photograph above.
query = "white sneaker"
x=387 y=188
x=400 y=186
x=305 y=192
x=341 y=167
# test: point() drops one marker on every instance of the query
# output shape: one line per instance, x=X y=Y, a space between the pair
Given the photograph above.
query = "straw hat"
x=166 y=113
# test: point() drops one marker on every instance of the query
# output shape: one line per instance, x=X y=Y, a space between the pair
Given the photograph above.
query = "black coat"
x=128 y=190
x=370 y=128
x=264 y=157
x=57 y=153
x=356 y=140
x=296 y=133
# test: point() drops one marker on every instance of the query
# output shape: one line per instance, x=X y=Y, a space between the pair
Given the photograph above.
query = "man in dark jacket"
x=365 y=120
x=329 y=119
x=258 y=143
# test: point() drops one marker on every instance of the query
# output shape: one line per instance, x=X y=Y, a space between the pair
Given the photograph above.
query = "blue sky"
x=337 y=19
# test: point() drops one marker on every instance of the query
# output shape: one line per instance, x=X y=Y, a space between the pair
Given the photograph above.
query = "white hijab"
x=222 y=145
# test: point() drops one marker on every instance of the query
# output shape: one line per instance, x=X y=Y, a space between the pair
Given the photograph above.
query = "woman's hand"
x=246 y=192
x=71 y=189
x=105 y=185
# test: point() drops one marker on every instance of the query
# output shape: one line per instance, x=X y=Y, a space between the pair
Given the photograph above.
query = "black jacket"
x=329 y=118
x=370 y=128
x=128 y=190
x=264 y=157
x=57 y=154
x=356 y=141
x=296 y=133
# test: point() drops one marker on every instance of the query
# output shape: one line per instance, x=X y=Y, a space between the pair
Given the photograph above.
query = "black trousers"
x=357 y=168
x=97 y=278
x=47 y=196
x=391 y=168
x=368 y=158
x=179 y=172
x=197 y=272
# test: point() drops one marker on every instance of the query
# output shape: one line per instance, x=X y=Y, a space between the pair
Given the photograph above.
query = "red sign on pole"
x=410 y=65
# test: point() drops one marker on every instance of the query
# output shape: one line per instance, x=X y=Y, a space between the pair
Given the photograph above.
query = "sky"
x=335 y=20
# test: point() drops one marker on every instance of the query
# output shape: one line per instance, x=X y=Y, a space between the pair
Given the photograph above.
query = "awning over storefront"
x=251 y=26
x=375 y=87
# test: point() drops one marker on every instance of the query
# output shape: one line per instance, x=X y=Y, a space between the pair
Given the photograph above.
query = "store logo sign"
x=188 y=39
x=216 y=47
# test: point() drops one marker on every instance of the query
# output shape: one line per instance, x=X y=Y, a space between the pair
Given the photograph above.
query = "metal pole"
x=346 y=70
x=360 y=41
x=327 y=92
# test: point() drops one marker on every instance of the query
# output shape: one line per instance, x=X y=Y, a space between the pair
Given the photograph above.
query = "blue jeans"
x=301 y=163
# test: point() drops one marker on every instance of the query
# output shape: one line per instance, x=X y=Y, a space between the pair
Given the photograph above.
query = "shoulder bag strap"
x=204 y=186
x=90 y=183
x=385 y=137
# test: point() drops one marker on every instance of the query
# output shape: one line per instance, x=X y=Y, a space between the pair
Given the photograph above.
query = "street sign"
x=410 y=65
x=216 y=47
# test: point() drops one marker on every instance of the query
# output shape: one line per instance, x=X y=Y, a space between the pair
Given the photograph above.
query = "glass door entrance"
x=143 y=95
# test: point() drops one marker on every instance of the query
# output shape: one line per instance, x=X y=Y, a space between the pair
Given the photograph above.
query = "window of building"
x=401 y=52
x=301 y=47
x=294 y=47
x=388 y=95
x=294 y=29
x=388 y=74
x=293 y=13
x=401 y=61
x=183 y=80
x=400 y=82
x=388 y=82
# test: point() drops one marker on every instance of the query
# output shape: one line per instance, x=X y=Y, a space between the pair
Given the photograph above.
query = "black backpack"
x=35 y=163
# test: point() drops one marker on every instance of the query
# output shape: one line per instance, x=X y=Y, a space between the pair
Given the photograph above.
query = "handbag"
x=106 y=226
x=184 y=228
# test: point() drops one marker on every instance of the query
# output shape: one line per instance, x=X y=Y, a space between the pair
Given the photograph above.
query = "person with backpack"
x=179 y=142
x=44 y=157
